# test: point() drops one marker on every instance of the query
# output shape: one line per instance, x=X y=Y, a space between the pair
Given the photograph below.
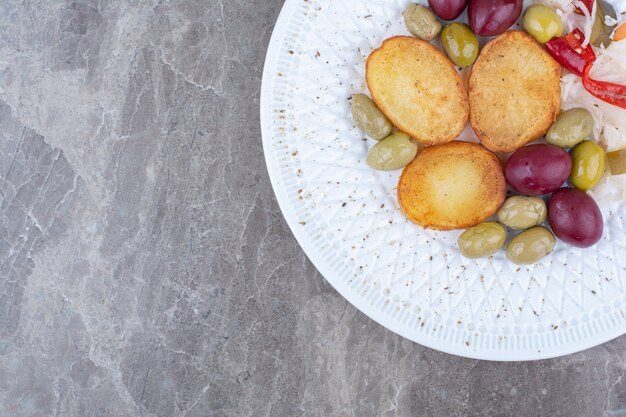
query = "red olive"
x=575 y=218
x=537 y=169
x=492 y=17
x=448 y=9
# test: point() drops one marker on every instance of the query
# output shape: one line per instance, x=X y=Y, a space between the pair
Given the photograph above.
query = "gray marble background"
x=145 y=268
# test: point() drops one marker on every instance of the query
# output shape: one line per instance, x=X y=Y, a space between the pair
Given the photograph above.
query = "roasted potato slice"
x=514 y=92
x=452 y=186
x=418 y=89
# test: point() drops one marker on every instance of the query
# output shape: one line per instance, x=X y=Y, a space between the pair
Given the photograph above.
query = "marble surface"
x=145 y=268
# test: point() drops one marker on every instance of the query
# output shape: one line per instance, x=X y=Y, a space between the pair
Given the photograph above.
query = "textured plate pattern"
x=346 y=217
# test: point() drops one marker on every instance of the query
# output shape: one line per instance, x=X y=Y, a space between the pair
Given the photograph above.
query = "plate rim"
x=359 y=302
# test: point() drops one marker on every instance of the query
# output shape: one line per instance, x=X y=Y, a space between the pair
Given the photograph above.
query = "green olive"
x=368 y=117
x=542 y=23
x=420 y=21
x=617 y=162
x=521 y=212
x=460 y=43
x=530 y=245
x=393 y=152
x=482 y=240
x=588 y=164
x=571 y=127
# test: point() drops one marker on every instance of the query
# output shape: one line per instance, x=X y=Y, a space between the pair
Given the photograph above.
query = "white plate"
x=345 y=215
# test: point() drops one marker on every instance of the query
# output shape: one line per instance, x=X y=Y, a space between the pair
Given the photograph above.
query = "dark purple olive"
x=448 y=9
x=492 y=17
x=575 y=218
x=537 y=169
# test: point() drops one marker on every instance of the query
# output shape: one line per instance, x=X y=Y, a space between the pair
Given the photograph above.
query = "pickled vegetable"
x=588 y=165
x=368 y=117
x=537 y=169
x=571 y=127
x=542 y=23
x=600 y=32
x=530 y=246
x=393 y=152
x=493 y=17
x=617 y=162
x=460 y=44
x=597 y=30
x=575 y=217
x=521 y=212
x=482 y=240
x=421 y=22
x=448 y=9
x=620 y=33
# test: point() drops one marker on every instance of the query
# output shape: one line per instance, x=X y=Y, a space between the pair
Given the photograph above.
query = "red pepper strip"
x=569 y=52
x=610 y=92
x=588 y=4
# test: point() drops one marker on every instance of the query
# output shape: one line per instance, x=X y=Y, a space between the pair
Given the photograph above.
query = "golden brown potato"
x=452 y=186
x=514 y=92
x=417 y=88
